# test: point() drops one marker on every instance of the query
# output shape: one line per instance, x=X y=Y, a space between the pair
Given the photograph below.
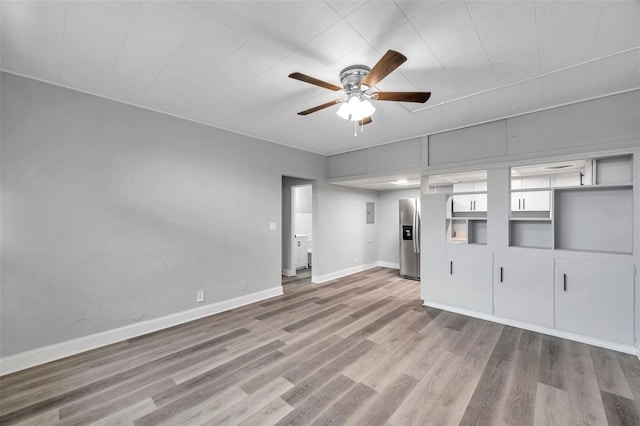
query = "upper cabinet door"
x=480 y=202
x=535 y=201
x=595 y=299
x=462 y=203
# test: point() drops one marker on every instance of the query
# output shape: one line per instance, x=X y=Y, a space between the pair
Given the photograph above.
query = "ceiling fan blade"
x=319 y=107
x=389 y=62
x=364 y=121
x=308 y=79
x=420 y=97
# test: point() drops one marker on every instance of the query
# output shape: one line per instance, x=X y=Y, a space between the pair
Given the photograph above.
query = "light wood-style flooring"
x=360 y=350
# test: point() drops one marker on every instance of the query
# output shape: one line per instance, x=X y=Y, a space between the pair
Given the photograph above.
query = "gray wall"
x=342 y=233
x=387 y=216
x=113 y=214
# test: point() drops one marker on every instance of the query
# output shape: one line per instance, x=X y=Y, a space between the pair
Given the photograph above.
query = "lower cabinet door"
x=595 y=299
x=523 y=288
x=469 y=278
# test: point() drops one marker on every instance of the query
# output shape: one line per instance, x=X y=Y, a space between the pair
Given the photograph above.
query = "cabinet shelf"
x=467 y=231
x=530 y=219
x=594 y=187
x=599 y=219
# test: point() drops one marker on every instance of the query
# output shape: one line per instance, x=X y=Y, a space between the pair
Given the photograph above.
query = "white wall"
x=388 y=218
x=113 y=215
x=303 y=211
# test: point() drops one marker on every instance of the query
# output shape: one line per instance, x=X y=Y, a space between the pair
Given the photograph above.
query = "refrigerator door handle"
x=417 y=231
x=414 y=231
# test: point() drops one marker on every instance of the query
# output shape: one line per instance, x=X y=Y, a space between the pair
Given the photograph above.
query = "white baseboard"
x=620 y=347
x=388 y=264
x=50 y=353
x=319 y=279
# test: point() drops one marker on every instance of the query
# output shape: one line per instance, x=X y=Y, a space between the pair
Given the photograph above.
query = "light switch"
x=272 y=226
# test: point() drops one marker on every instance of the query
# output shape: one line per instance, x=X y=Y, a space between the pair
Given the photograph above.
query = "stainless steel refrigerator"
x=410 y=238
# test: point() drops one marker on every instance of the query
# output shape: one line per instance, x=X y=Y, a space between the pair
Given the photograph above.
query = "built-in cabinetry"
x=466 y=208
x=587 y=208
x=568 y=267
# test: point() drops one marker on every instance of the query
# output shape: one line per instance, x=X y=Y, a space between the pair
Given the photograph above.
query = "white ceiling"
x=226 y=63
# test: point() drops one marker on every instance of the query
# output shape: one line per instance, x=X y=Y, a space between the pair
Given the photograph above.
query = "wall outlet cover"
x=200 y=296
x=272 y=226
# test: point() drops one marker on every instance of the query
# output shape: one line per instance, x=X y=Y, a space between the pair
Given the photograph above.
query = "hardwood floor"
x=359 y=350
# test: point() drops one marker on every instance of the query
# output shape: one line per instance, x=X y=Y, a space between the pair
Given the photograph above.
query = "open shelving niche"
x=467 y=224
x=593 y=216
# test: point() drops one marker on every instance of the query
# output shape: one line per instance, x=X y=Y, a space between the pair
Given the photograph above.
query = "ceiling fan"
x=357 y=82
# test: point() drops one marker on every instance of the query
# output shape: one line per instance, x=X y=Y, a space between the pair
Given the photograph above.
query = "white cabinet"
x=469 y=202
x=301 y=251
x=468 y=279
x=595 y=299
x=568 y=179
x=523 y=288
x=530 y=200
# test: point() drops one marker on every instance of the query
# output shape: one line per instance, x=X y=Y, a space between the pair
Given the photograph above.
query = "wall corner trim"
x=388 y=264
x=34 y=357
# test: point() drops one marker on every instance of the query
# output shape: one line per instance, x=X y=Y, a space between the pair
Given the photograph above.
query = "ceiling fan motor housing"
x=351 y=76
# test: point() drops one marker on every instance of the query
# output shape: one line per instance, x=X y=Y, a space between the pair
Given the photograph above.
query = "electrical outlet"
x=355 y=260
x=200 y=296
x=244 y=285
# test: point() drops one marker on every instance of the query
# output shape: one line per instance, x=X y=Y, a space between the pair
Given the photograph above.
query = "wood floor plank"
x=609 y=374
x=311 y=384
x=91 y=410
x=582 y=385
x=488 y=399
x=127 y=415
x=427 y=315
x=306 y=412
x=340 y=412
x=414 y=357
x=47 y=418
x=182 y=398
x=369 y=354
x=631 y=370
x=251 y=404
x=433 y=382
x=312 y=318
x=268 y=415
x=551 y=406
x=619 y=410
x=378 y=410
x=552 y=363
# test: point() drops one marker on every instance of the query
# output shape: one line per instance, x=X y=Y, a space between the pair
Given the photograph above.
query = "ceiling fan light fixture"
x=355 y=109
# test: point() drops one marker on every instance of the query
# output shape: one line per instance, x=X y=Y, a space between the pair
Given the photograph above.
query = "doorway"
x=297 y=229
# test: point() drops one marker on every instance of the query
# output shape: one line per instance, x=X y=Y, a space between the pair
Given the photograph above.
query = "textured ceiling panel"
x=225 y=63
